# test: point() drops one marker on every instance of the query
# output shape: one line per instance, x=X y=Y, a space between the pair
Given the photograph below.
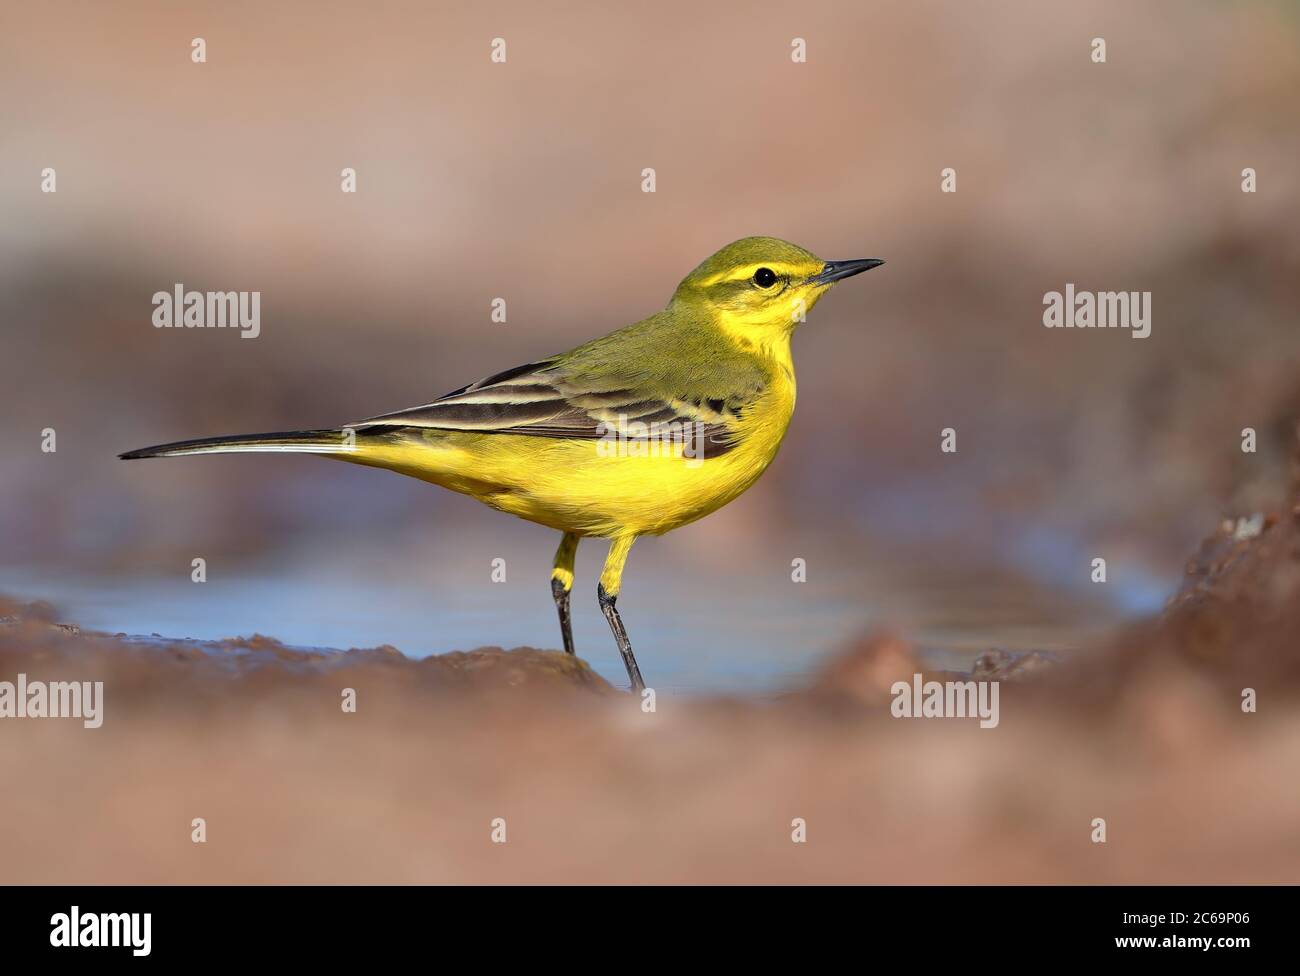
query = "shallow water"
x=758 y=643
x=691 y=635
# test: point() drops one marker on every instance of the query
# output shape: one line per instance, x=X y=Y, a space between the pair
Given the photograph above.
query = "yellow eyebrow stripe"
x=747 y=272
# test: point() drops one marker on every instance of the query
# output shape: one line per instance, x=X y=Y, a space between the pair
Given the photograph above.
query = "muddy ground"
x=1147 y=732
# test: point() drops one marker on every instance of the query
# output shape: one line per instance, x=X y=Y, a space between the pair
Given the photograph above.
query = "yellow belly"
x=581 y=487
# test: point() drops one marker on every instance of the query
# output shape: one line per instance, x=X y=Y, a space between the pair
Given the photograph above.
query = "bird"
x=638 y=432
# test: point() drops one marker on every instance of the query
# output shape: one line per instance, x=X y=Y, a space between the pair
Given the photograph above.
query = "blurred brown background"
x=522 y=180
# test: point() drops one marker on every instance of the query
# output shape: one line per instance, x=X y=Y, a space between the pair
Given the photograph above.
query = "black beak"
x=835 y=270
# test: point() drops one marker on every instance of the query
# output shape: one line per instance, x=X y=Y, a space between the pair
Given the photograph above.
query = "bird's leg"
x=610 y=580
x=562 y=583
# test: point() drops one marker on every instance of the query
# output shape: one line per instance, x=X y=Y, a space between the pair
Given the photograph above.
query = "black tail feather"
x=303 y=441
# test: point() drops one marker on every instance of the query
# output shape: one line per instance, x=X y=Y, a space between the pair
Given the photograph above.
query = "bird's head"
x=759 y=288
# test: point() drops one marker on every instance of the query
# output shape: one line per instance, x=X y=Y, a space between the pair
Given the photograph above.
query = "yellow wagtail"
x=635 y=433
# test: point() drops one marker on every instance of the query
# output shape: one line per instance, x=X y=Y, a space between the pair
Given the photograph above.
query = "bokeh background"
x=522 y=180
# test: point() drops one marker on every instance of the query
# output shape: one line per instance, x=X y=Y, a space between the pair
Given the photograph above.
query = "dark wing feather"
x=543 y=400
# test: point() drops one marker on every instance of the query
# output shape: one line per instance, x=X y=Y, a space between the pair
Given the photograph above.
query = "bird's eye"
x=765 y=277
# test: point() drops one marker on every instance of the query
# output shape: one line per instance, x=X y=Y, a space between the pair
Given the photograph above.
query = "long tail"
x=285 y=442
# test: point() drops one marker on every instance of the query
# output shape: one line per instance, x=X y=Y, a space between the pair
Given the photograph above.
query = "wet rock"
x=1002 y=665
